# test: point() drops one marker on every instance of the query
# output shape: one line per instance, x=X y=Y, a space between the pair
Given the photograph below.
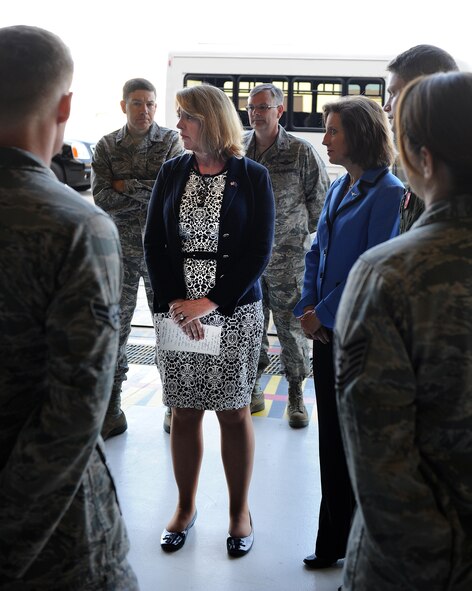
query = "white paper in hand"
x=172 y=338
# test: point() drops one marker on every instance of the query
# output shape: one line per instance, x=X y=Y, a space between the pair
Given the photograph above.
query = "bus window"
x=309 y=96
x=308 y=83
x=371 y=88
x=304 y=96
x=222 y=82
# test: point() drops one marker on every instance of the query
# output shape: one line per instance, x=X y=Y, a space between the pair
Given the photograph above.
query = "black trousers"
x=337 y=499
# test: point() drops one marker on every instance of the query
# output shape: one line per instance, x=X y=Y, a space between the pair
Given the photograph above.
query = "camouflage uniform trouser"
x=133 y=269
x=112 y=577
x=280 y=294
x=122 y=578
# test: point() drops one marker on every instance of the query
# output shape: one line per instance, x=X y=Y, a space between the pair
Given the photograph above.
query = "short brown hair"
x=137 y=84
x=421 y=60
x=368 y=136
x=35 y=66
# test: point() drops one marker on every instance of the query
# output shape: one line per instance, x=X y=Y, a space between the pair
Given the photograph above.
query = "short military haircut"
x=368 y=135
x=275 y=91
x=137 y=84
x=35 y=67
x=421 y=60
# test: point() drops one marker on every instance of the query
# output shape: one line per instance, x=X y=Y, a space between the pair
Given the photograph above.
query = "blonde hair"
x=222 y=129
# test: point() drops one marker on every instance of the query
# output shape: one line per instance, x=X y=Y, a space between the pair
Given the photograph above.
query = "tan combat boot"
x=257 y=397
x=296 y=409
x=115 y=420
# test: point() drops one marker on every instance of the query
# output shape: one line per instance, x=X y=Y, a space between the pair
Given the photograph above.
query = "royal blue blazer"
x=347 y=227
x=246 y=232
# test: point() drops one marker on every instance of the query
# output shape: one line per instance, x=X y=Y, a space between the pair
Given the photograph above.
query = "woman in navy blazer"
x=244 y=238
x=360 y=211
x=208 y=238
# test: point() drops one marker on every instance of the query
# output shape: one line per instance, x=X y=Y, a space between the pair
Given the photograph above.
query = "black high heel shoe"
x=316 y=562
x=240 y=546
x=171 y=541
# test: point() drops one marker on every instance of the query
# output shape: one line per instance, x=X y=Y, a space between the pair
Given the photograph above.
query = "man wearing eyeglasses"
x=125 y=166
x=300 y=182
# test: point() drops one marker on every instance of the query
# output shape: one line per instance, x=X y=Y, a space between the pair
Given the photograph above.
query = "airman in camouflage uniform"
x=416 y=61
x=60 y=278
x=125 y=166
x=300 y=182
x=403 y=360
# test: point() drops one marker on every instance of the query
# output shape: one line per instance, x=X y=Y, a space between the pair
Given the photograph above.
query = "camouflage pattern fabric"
x=403 y=366
x=134 y=268
x=281 y=295
x=300 y=182
x=411 y=206
x=118 y=157
x=60 y=275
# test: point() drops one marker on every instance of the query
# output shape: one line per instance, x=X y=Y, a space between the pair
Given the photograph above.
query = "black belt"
x=200 y=255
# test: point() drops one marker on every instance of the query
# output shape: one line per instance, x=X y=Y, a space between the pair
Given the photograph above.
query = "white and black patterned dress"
x=197 y=380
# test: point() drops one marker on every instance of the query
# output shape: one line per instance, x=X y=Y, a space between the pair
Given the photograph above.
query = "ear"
x=280 y=111
x=63 y=109
x=123 y=106
x=427 y=163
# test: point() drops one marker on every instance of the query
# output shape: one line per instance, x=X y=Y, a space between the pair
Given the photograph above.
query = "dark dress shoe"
x=171 y=541
x=314 y=561
x=240 y=546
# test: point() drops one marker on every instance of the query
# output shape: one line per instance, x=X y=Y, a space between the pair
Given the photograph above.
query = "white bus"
x=307 y=82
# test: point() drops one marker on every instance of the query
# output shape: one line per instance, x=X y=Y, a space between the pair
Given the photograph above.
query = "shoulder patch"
x=109 y=314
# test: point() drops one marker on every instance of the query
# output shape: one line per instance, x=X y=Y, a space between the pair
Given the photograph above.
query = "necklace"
x=205 y=184
x=352 y=182
x=204 y=189
x=258 y=155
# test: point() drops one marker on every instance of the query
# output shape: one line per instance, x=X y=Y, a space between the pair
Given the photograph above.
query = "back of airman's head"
x=421 y=60
x=434 y=112
x=36 y=69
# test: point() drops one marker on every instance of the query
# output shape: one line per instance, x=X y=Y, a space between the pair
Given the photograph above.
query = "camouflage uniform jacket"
x=411 y=206
x=404 y=366
x=60 y=282
x=300 y=182
x=118 y=157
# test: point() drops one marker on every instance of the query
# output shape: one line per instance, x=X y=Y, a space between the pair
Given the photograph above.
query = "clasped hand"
x=186 y=314
x=312 y=327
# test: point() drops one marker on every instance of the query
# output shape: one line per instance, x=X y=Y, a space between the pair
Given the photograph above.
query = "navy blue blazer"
x=245 y=236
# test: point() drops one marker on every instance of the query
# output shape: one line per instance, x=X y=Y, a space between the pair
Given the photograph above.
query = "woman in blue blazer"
x=207 y=241
x=360 y=210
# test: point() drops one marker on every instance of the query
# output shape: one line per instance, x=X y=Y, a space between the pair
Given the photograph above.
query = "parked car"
x=73 y=164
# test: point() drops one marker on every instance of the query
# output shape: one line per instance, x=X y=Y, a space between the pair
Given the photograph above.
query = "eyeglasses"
x=261 y=108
